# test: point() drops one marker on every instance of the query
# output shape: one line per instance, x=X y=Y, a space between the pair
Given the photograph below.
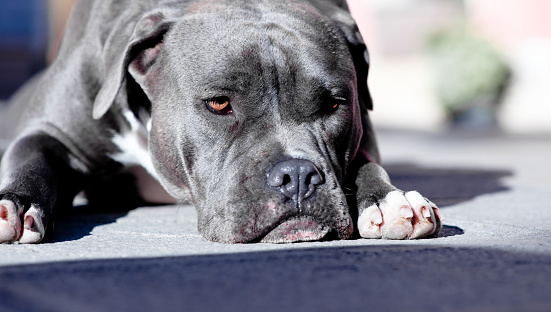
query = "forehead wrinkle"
x=285 y=46
x=298 y=70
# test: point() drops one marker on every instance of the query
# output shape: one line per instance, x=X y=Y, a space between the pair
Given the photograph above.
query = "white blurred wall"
x=522 y=28
x=401 y=79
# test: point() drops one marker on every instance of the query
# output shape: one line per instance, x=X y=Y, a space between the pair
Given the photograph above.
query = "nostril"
x=286 y=180
x=296 y=178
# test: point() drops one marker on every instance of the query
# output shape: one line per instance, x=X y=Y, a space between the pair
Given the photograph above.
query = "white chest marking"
x=134 y=145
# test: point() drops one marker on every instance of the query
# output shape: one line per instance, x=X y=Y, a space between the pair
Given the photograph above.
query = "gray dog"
x=255 y=111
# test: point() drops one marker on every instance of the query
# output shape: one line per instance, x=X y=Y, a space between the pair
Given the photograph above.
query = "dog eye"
x=219 y=105
x=334 y=106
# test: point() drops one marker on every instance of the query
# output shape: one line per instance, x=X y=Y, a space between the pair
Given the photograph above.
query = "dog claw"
x=369 y=222
x=376 y=217
x=31 y=230
x=403 y=216
x=29 y=221
x=406 y=212
x=425 y=212
x=10 y=224
x=3 y=213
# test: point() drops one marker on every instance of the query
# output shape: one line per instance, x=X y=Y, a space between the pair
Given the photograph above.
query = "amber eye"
x=219 y=105
x=335 y=103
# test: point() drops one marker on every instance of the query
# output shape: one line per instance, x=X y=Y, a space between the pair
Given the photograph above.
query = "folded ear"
x=143 y=45
x=360 y=56
x=338 y=11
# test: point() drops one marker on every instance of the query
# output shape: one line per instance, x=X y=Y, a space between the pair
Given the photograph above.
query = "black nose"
x=296 y=178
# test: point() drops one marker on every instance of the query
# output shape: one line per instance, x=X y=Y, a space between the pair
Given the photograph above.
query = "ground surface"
x=493 y=254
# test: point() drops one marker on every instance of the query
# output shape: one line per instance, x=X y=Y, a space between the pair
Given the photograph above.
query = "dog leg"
x=386 y=212
x=36 y=175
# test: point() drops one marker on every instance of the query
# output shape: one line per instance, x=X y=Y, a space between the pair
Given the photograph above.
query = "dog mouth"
x=296 y=229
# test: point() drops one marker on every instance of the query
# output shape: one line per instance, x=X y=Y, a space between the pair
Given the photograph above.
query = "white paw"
x=400 y=216
x=13 y=228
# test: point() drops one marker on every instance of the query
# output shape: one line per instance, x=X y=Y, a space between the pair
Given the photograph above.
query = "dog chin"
x=296 y=229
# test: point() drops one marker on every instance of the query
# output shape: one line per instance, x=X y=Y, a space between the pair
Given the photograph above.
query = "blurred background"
x=469 y=64
x=480 y=65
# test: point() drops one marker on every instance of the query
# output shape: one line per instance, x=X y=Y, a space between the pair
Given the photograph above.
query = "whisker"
x=349 y=189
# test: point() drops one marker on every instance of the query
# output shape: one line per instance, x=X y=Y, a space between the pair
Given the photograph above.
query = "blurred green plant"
x=471 y=74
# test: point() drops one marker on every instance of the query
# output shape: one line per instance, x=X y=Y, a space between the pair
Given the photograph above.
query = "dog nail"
x=3 y=213
x=29 y=221
x=426 y=212
x=406 y=212
x=376 y=218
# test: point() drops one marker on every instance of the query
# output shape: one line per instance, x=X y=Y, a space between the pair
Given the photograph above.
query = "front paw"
x=18 y=224
x=400 y=216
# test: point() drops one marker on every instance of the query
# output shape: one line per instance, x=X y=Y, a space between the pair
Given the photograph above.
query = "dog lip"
x=296 y=229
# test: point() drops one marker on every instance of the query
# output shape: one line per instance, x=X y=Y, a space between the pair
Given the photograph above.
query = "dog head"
x=255 y=113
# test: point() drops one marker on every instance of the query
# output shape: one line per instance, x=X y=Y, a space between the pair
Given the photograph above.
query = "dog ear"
x=360 y=56
x=359 y=52
x=140 y=49
x=339 y=12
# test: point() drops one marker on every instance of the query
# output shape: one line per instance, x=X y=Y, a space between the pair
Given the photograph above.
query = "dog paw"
x=15 y=226
x=400 y=216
